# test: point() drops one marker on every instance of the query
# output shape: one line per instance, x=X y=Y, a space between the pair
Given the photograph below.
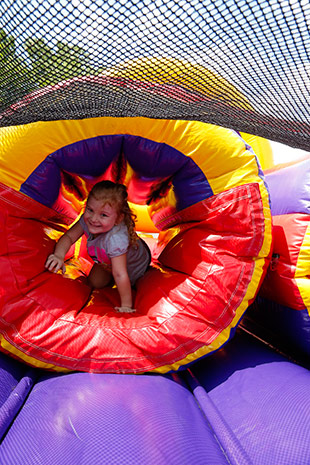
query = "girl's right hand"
x=124 y=309
x=54 y=264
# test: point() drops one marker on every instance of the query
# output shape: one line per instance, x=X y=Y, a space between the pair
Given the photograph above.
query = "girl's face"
x=98 y=218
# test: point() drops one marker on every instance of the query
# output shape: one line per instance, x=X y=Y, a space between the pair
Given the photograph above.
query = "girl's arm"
x=55 y=261
x=122 y=281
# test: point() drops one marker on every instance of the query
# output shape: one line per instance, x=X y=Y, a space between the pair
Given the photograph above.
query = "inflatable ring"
x=288 y=279
x=282 y=312
x=179 y=78
x=206 y=196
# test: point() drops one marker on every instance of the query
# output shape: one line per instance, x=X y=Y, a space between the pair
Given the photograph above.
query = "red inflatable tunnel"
x=207 y=198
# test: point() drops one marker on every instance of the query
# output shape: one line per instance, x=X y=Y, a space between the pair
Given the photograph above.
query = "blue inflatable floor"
x=244 y=404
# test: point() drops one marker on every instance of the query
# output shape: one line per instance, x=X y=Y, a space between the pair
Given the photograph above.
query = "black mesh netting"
x=243 y=64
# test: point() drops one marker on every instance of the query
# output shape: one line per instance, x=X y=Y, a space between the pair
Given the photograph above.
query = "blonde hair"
x=116 y=195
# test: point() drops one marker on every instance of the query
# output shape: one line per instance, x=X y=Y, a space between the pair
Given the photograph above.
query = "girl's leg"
x=99 y=277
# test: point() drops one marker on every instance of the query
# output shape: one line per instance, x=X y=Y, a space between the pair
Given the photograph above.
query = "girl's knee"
x=99 y=277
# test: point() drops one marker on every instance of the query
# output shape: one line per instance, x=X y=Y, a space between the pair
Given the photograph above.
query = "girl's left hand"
x=125 y=309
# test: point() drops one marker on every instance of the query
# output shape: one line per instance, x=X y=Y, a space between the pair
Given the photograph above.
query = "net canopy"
x=242 y=64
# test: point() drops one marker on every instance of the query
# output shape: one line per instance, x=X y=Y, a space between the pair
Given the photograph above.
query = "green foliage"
x=50 y=67
x=16 y=79
x=42 y=66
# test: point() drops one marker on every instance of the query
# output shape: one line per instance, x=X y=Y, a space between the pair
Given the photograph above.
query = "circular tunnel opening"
x=202 y=189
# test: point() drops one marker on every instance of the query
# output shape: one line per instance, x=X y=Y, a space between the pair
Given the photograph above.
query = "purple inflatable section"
x=92 y=157
x=291 y=183
x=263 y=397
x=243 y=405
x=110 y=419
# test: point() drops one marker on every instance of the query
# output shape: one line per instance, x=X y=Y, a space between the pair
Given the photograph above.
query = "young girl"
x=112 y=242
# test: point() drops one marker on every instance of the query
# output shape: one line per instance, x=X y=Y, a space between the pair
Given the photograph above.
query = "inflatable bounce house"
x=212 y=368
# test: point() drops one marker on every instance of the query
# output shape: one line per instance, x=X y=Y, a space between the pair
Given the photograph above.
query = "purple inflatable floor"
x=243 y=405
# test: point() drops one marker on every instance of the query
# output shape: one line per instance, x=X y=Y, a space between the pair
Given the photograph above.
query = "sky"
x=283 y=153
